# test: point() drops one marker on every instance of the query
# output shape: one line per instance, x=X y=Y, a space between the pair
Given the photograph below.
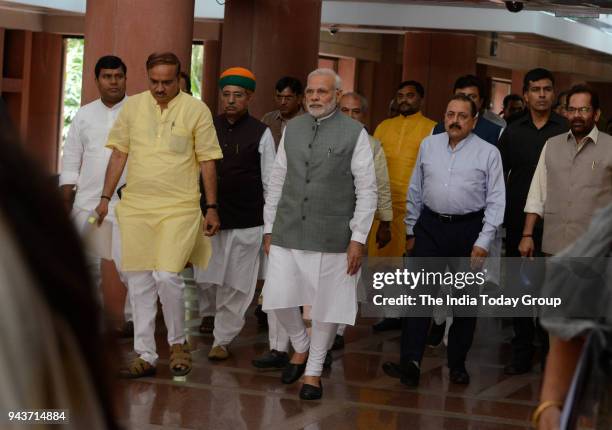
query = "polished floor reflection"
x=358 y=395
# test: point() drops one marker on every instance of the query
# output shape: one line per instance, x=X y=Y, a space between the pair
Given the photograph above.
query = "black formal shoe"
x=310 y=392
x=411 y=374
x=436 y=334
x=459 y=376
x=126 y=331
x=338 y=343
x=408 y=375
x=292 y=372
x=387 y=324
x=517 y=368
x=207 y=325
x=392 y=369
x=329 y=359
x=271 y=360
x=262 y=317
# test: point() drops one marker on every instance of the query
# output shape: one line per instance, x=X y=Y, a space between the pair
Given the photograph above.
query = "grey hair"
x=327 y=72
x=363 y=102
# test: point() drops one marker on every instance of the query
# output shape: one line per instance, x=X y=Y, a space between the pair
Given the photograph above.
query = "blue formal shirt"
x=458 y=181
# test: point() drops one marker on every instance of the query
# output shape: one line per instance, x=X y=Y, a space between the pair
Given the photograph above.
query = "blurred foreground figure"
x=592 y=392
x=51 y=353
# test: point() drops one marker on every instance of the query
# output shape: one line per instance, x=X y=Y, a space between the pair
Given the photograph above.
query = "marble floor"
x=357 y=394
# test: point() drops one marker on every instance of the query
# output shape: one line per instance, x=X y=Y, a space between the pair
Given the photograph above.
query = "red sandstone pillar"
x=517 y=81
x=387 y=75
x=365 y=86
x=347 y=69
x=272 y=38
x=132 y=30
x=45 y=93
x=210 y=75
x=437 y=60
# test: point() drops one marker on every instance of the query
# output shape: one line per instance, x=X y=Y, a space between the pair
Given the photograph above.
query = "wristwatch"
x=211 y=206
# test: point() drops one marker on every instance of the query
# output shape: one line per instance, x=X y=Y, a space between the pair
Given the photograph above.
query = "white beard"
x=322 y=111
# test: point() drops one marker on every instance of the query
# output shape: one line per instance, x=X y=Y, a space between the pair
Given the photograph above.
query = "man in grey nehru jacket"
x=319 y=210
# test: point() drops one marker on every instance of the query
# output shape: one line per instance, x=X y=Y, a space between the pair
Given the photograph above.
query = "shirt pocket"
x=179 y=140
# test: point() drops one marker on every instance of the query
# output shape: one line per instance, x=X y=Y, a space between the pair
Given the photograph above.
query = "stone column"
x=387 y=76
x=45 y=95
x=436 y=60
x=132 y=30
x=272 y=38
x=210 y=75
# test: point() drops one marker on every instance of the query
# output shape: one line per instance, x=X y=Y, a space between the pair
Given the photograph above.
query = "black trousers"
x=525 y=328
x=447 y=245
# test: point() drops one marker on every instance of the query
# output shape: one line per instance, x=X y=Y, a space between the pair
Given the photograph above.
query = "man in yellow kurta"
x=167 y=138
x=401 y=138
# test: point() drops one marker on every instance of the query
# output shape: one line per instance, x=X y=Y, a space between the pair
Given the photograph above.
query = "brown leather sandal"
x=180 y=360
x=139 y=368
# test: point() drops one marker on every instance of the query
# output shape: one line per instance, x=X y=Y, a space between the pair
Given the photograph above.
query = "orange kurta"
x=401 y=138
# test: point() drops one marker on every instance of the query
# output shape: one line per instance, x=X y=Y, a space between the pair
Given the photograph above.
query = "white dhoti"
x=297 y=278
x=277 y=335
x=143 y=289
x=79 y=218
x=301 y=278
x=207 y=300
x=232 y=271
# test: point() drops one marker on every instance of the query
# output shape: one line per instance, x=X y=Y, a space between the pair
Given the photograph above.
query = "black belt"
x=453 y=218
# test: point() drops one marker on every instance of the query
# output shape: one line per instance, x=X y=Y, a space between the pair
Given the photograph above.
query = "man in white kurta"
x=248 y=155
x=321 y=202
x=85 y=158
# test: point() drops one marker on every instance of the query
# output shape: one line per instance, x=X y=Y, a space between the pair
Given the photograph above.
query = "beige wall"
x=519 y=57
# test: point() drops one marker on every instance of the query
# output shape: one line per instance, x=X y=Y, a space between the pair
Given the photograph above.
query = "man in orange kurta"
x=401 y=138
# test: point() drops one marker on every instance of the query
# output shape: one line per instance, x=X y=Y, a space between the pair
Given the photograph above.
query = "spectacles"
x=319 y=92
x=461 y=116
x=237 y=95
x=581 y=110
x=285 y=98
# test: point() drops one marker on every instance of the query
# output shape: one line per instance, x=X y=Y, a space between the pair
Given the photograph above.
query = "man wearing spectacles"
x=573 y=177
x=288 y=97
x=248 y=156
x=455 y=205
x=472 y=87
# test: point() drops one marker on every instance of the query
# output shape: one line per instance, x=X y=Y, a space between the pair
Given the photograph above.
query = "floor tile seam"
x=347 y=403
x=393 y=389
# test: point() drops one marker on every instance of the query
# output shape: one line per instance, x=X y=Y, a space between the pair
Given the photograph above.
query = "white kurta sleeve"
x=73 y=154
x=362 y=168
x=384 y=206
x=275 y=186
x=266 y=156
x=537 y=191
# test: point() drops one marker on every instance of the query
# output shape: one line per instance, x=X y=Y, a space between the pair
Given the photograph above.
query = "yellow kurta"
x=159 y=214
x=401 y=138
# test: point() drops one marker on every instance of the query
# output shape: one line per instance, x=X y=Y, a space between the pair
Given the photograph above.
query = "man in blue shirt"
x=455 y=204
x=472 y=87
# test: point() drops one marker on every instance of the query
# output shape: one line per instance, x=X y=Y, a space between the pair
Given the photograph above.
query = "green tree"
x=73 y=75
x=197 y=62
